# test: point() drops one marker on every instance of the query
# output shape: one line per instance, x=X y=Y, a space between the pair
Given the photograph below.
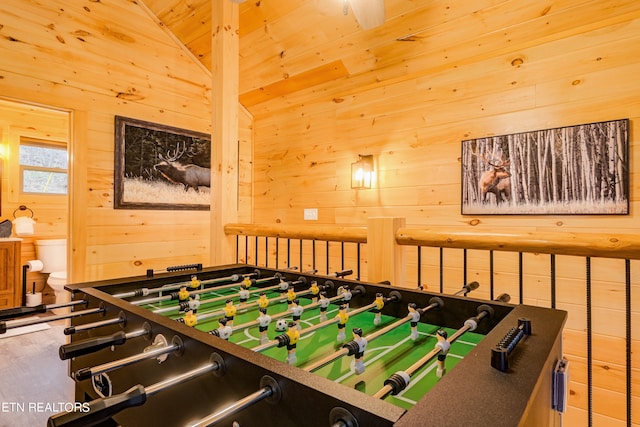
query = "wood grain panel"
x=324 y=73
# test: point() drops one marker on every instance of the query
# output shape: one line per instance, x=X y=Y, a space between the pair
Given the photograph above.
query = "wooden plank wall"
x=470 y=70
x=474 y=69
x=98 y=60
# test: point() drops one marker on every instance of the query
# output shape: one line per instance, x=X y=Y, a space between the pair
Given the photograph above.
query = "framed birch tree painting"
x=575 y=170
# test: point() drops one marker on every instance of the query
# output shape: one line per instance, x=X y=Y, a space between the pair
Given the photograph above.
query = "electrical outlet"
x=311 y=214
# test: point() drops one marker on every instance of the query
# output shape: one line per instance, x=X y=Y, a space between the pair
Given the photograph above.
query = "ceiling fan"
x=368 y=13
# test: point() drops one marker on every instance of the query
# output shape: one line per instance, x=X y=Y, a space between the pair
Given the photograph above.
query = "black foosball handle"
x=12 y=313
x=343 y=273
x=90 y=345
x=99 y=410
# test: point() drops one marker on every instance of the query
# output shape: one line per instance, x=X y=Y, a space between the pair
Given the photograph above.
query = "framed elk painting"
x=160 y=167
x=576 y=170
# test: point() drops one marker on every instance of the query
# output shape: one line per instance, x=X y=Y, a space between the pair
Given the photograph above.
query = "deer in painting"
x=188 y=175
x=496 y=180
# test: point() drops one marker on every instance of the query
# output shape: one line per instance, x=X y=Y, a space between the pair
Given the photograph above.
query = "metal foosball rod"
x=121 y=319
x=399 y=381
x=210 y=300
x=159 y=350
x=12 y=324
x=172 y=287
x=284 y=313
x=351 y=347
x=101 y=410
x=468 y=288
x=342 y=273
x=358 y=344
x=269 y=390
x=90 y=345
x=219 y=312
x=394 y=296
x=13 y=313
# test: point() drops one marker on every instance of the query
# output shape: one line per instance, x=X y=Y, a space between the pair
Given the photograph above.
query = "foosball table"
x=240 y=345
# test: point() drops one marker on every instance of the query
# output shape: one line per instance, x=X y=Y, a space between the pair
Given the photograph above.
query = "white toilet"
x=53 y=254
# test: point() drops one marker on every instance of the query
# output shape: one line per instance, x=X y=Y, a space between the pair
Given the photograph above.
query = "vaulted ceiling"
x=291 y=45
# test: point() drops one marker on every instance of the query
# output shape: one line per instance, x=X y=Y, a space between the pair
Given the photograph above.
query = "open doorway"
x=34 y=149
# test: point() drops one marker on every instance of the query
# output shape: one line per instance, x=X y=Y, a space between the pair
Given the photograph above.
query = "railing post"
x=386 y=257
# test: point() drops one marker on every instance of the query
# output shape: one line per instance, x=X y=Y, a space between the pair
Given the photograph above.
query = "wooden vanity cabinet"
x=10 y=288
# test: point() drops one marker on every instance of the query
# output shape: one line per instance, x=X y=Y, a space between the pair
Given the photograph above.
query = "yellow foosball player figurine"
x=343 y=317
x=379 y=301
x=190 y=319
x=315 y=291
x=291 y=295
x=263 y=301
x=183 y=294
x=195 y=282
x=229 y=311
x=290 y=340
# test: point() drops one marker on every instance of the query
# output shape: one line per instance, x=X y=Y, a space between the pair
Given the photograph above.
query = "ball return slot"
x=100 y=410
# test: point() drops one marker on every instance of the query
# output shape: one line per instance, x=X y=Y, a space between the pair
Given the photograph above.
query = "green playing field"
x=393 y=351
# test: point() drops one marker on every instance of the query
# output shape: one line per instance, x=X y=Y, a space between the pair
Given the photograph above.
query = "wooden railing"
x=333 y=233
x=298 y=247
x=587 y=274
x=624 y=246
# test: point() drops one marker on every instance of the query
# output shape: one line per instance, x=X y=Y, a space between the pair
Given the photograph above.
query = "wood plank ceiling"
x=292 y=45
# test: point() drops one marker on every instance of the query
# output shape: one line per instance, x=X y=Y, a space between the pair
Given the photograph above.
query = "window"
x=43 y=168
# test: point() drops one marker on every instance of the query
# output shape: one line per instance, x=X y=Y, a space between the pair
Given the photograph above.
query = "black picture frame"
x=160 y=167
x=573 y=170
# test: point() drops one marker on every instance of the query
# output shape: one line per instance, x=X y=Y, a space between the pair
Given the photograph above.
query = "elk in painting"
x=188 y=175
x=496 y=180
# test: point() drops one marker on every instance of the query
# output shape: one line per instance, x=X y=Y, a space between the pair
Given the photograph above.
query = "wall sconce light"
x=362 y=172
